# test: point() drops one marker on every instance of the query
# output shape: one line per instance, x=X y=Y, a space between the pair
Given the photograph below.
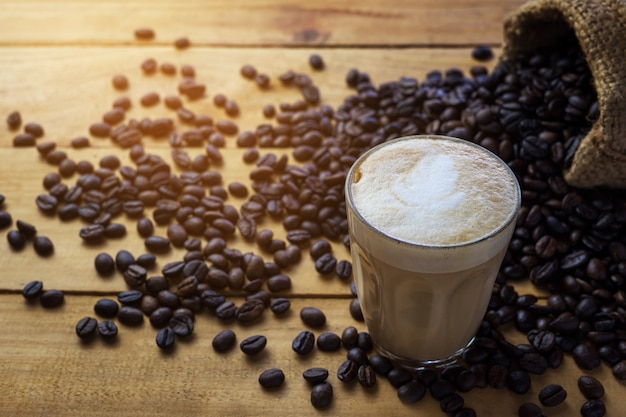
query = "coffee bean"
x=250 y=310
x=619 y=370
x=452 y=403
x=411 y=392
x=182 y=324
x=224 y=340
x=303 y=343
x=590 y=387
x=529 y=410
x=129 y=297
x=313 y=317
x=322 y=395
x=347 y=371
x=328 y=342
x=14 y=120
x=120 y=82
x=157 y=244
x=552 y=395
x=147 y=260
x=586 y=356
x=253 y=344
x=16 y=240
x=165 y=338
x=593 y=408
x=43 y=246
x=135 y=275
x=399 y=376
x=144 y=33
x=349 y=337
x=366 y=376
x=277 y=283
x=160 y=316
x=106 y=307
x=355 y=310
x=381 y=364
x=5 y=219
x=107 y=329
x=272 y=378
x=32 y=290
x=130 y=316
x=280 y=305
x=52 y=298
x=86 y=327
x=24 y=140
x=92 y=233
x=343 y=269
x=315 y=375
x=482 y=53
x=326 y=264
x=518 y=381
x=316 y=62
x=441 y=389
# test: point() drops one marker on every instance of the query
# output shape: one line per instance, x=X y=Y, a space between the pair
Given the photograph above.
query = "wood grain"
x=251 y=22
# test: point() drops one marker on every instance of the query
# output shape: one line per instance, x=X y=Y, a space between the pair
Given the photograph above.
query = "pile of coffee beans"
x=532 y=111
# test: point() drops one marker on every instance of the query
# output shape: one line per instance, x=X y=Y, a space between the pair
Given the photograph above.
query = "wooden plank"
x=250 y=22
x=47 y=371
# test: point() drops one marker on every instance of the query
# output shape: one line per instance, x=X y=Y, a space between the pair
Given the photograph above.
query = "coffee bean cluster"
x=532 y=111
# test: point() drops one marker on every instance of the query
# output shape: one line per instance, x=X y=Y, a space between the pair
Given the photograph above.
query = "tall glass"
x=430 y=221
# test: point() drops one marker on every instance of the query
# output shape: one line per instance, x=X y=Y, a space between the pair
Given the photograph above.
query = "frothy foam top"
x=434 y=191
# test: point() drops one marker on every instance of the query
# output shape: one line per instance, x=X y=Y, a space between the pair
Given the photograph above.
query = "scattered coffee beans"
x=271 y=378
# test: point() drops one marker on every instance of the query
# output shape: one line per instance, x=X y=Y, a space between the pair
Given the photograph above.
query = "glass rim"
x=494 y=232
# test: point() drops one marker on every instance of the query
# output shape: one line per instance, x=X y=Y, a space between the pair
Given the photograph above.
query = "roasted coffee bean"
x=529 y=410
x=107 y=329
x=144 y=33
x=120 y=82
x=86 y=327
x=381 y=364
x=482 y=53
x=32 y=290
x=552 y=395
x=366 y=376
x=47 y=203
x=316 y=62
x=315 y=375
x=224 y=340
x=160 y=317
x=16 y=240
x=277 y=283
x=518 y=381
x=100 y=129
x=51 y=298
x=349 y=337
x=5 y=219
x=250 y=310
x=43 y=246
x=226 y=311
x=593 y=408
x=355 y=310
x=343 y=269
x=452 y=403
x=157 y=244
x=326 y=264
x=322 y=395
x=182 y=324
x=313 y=317
x=106 y=307
x=303 y=343
x=92 y=233
x=146 y=260
x=586 y=356
x=253 y=344
x=27 y=229
x=358 y=355
x=347 y=371
x=411 y=392
x=24 y=140
x=272 y=378
x=590 y=387
x=619 y=370
x=14 y=120
x=280 y=305
x=328 y=342
x=165 y=338
x=135 y=275
x=441 y=389
x=156 y=284
x=130 y=316
x=130 y=297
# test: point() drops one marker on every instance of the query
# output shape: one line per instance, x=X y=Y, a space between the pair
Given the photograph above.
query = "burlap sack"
x=600 y=27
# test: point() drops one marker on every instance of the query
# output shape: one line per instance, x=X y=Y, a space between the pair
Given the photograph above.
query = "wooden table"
x=56 y=64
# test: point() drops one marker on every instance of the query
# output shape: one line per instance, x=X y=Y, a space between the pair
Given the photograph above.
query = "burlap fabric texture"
x=600 y=28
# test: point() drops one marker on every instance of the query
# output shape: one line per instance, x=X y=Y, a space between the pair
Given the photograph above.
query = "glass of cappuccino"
x=430 y=220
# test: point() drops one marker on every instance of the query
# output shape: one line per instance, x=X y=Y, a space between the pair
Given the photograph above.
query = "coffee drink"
x=430 y=220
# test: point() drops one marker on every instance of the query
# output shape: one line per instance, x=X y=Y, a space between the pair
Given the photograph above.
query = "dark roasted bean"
x=166 y=338
x=271 y=378
x=280 y=305
x=347 y=371
x=130 y=316
x=107 y=329
x=86 y=327
x=182 y=324
x=52 y=298
x=250 y=310
x=224 y=340
x=322 y=395
x=313 y=317
x=303 y=343
x=590 y=387
x=43 y=246
x=593 y=408
x=106 y=307
x=32 y=290
x=315 y=375
x=552 y=395
x=253 y=344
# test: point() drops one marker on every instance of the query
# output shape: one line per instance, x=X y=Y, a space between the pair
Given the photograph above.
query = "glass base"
x=415 y=364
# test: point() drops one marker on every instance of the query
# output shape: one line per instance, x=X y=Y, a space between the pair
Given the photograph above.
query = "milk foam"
x=434 y=191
